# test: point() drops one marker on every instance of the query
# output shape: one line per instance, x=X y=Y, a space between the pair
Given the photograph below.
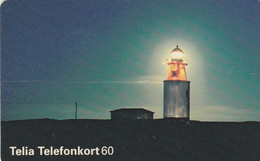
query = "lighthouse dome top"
x=177 y=49
x=176 y=54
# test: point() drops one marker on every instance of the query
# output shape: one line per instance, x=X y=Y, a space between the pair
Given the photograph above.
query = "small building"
x=131 y=113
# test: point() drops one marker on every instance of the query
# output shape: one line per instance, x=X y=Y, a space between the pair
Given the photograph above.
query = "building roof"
x=131 y=110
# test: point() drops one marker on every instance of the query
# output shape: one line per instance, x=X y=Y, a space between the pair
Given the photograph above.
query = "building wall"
x=131 y=115
x=176 y=102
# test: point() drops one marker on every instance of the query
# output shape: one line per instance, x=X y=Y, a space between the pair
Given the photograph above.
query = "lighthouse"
x=176 y=101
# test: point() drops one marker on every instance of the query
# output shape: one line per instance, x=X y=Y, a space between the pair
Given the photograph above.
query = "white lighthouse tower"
x=176 y=102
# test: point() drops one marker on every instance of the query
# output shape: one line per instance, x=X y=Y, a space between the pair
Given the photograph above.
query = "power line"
x=86 y=82
x=20 y=102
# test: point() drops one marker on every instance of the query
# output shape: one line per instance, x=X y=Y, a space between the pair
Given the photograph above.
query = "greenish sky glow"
x=109 y=54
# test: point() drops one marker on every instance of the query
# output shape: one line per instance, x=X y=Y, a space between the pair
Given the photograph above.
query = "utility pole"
x=76 y=111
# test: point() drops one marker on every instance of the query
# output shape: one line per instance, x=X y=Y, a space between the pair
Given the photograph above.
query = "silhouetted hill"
x=136 y=140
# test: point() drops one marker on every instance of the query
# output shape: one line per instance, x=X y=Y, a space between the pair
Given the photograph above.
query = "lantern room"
x=176 y=69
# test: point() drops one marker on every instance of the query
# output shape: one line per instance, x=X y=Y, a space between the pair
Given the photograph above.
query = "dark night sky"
x=108 y=54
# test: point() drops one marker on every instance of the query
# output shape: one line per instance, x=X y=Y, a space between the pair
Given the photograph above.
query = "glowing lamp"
x=177 y=53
